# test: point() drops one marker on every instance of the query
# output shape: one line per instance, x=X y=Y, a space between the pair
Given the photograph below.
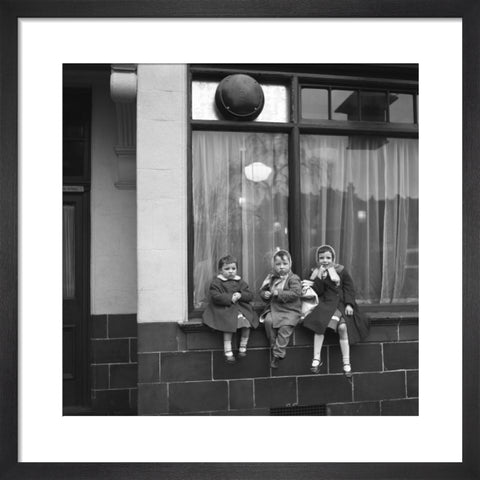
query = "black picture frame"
x=11 y=10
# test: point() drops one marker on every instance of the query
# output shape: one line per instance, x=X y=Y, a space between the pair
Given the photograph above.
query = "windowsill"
x=366 y=308
x=377 y=317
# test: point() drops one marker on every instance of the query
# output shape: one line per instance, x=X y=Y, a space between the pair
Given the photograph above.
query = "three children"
x=230 y=308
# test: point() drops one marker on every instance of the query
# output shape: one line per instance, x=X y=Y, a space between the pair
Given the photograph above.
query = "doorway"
x=76 y=247
x=75 y=296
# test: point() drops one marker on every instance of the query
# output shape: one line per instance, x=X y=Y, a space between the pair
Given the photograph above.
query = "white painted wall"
x=113 y=215
x=162 y=193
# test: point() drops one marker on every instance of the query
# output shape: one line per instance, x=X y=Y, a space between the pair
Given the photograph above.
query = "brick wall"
x=182 y=371
x=113 y=364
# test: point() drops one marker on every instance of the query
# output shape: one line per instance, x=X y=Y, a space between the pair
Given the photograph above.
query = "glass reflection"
x=373 y=106
x=401 y=108
x=232 y=213
x=364 y=202
x=344 y=105
x=314 y=103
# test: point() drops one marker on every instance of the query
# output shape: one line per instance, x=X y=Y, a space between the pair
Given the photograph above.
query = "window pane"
x=74 y=131
x=361 y=197
x=68 y=251
x=240 y=196
x=417 y=119
x=374 y=106
x=73 y=158
x=314 y=103
x=401 y=108
x=276 y=108
x=344 y=105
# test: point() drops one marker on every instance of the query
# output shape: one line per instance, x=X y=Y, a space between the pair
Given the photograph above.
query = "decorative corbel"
x=123 y=91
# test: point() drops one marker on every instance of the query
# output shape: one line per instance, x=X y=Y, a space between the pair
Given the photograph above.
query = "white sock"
x=244 y=339
x=317 y=346
x=227 y=347
x=345 y=348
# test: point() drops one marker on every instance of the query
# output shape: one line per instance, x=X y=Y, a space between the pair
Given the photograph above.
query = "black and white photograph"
x=217 y=216
x=292 y=287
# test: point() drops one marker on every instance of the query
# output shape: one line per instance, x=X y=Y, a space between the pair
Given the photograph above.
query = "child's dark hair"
x=324 y=249
x=282 y=255
x=226 y=260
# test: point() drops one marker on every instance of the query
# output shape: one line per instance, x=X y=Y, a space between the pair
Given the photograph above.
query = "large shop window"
x=240 y=200
x=360 y=194
x=329 y=160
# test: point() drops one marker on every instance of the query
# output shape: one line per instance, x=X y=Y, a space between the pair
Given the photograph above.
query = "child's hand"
x=348 y=310
x=322 y=272
x=236 y=296
x=267 y=294
x=307 y=283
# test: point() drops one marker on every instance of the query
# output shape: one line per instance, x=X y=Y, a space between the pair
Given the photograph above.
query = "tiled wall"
x=113 y=364
x=182 y=371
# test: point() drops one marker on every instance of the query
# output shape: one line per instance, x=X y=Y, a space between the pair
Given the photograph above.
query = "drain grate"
x=314 y=410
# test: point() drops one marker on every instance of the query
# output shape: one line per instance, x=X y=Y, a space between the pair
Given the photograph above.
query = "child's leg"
x=227 y=344
x=283 y=337
x=317 y=348
x=269 y=330
x=344 y=347
x=244 y=340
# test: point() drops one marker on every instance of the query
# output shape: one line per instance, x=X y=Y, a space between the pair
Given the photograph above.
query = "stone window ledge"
x=376 y=318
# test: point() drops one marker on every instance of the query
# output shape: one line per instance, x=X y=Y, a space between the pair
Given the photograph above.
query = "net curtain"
x=360 y=195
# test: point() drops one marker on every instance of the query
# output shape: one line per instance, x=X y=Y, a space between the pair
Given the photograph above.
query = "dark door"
x=76 y=246
x=75 y=298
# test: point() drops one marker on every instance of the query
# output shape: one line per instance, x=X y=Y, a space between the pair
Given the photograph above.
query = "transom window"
x=357 y=105
x=334 y=164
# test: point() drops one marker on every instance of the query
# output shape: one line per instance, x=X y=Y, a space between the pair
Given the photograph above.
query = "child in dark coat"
x=229 y=308
x=337 y=308
x=282 y=290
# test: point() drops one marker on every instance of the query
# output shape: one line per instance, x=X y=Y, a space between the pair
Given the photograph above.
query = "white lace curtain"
x=233 y=214
x=360 y=194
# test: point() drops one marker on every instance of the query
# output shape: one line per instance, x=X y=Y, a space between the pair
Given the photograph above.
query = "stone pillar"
x=162 y=193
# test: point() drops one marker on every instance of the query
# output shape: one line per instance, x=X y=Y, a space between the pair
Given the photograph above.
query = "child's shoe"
x=347 y=370
x=242 y=351
x=316 y=364
x=229 y=358
x=275 y=362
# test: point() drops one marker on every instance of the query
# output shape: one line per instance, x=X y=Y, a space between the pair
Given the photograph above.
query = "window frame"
x=79 y=99
x=402 y=79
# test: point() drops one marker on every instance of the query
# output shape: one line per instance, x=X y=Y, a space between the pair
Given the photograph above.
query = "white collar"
x=224 y=279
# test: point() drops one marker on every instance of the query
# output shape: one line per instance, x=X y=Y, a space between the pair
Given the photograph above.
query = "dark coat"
x=332 y=298
x=287 y=307
x=221 y=314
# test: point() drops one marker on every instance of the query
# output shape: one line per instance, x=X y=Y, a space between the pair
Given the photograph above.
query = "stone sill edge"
x=377 y=318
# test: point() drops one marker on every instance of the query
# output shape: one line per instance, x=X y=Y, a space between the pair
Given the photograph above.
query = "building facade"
x=167 y=168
